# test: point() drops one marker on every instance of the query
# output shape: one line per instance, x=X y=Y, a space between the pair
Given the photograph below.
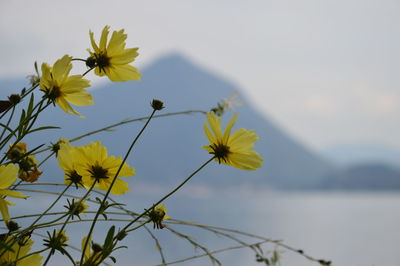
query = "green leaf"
x=8 y=128
x=42 y=128
x=109 y=238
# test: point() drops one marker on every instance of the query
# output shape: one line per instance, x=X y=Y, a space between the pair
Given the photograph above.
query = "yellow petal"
x=8 y=175
x=124 y=57
x=209 y=135
x=66 y=106
x=94 y=45
x=123 y=73
x=103 y=38
x=4 y=210
x=249 y=161
x=215 y=124
x=229 y=127
x=61 y=68
x=12 y=193
x=242 y=139
x=117 y=43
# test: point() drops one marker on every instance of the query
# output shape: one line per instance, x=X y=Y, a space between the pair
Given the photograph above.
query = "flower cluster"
x=90 y=167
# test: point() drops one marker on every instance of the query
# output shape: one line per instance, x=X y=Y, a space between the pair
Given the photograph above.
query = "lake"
x=351 y=229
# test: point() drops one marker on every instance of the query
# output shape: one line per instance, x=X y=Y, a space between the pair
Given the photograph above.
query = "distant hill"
x=367 y=176
x=360 y=153
x=170 y=148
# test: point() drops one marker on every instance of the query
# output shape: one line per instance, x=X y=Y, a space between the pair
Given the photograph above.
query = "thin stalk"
x=8 y=122
x=51 y=206
x=69 y=217
x=112 y=184
x=22 y=97
x=137 y=227
x=28 y=255
x=168 y=195
x=213 y=252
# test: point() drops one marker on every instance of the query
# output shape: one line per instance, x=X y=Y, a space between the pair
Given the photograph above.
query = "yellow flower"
x=8 y=175
x=89 y=253
x=66 y=156
x=232 y=149
x=61 y=88
x=94 y=165
x=19 y=251
x=113 y=59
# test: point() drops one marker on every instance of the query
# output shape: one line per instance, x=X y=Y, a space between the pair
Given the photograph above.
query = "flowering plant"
x=92 y=171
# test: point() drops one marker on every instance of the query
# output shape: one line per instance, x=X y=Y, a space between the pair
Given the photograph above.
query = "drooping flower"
x=232 y=149
x=157 y=215
x=112 y=59
x=8 y=175
x=19 y=250
x=63 y=89
x=94 y=165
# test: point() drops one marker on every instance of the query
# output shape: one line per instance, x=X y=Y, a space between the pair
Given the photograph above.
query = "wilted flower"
x=157 y=215
x=28 y=169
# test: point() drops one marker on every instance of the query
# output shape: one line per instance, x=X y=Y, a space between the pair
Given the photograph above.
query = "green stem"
x=28 y=255
x=168 y=195
x=45 y=159
x=51 y=206
x=21 y=125
x=112 y=184
x=69 y=217
x=8 y=122
x=87 y=71
x=137 y=227
x=22 y=97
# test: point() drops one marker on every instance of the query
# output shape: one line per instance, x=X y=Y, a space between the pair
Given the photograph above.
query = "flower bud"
x=157 y=104
x=91 y=62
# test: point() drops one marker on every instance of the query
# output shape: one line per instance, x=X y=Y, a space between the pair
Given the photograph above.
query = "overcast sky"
x=326 y=70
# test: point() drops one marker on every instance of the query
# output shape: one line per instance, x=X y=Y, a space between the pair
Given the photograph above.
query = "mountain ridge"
x=171 y=147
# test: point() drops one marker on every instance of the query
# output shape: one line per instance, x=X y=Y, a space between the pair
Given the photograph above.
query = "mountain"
x=365 y=176
x=170 y=148
x=356 y=153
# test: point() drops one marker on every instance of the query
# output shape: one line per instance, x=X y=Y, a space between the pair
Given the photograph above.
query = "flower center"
x=53 y=93
x=98 y=172
x=75 y=178
x=102 y=62
x=220 y=151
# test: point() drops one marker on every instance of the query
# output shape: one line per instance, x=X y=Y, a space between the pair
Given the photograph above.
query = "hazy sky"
x=325 y=70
